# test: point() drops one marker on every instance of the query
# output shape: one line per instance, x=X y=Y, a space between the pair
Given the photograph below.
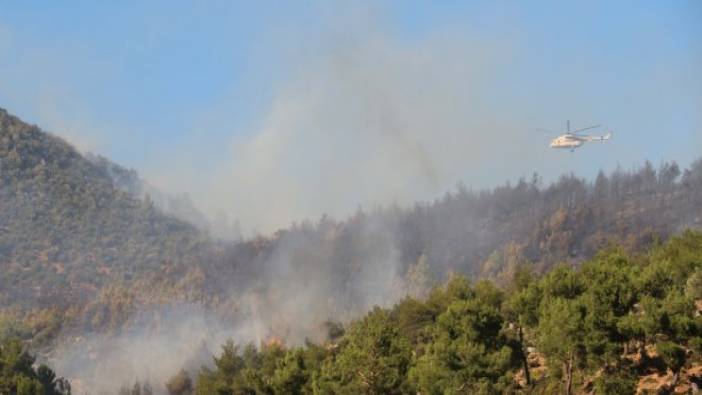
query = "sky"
x=273 y=112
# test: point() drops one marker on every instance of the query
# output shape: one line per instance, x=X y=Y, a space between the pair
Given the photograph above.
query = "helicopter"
x=573 y=139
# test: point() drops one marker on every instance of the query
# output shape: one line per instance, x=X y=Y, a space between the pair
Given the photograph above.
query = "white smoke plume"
x=366 y=120
x=371 y=124
x=300 y=286
x=153 y=349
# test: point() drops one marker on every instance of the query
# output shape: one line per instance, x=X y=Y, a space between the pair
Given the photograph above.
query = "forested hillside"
x=618 y=323
x=84 y=250
x=483 y=232
x=67 y=228
x=70 y=225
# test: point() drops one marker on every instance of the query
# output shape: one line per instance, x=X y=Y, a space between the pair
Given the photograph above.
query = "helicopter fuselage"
x=567 y=141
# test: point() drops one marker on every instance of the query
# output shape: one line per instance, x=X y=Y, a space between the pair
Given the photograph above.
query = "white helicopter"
x=572 y=139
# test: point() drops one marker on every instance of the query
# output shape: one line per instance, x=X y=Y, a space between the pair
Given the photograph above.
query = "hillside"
x=79 y=232
x=84 y=250
x=484 y=234
x=619 y=323
x=67 y=228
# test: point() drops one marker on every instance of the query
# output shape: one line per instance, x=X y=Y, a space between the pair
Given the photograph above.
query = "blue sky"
x=176 y=87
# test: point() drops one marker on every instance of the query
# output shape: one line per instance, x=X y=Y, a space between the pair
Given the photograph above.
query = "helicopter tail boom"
x=600 y=138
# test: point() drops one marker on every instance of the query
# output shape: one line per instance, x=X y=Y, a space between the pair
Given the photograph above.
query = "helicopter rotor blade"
x=584 y=129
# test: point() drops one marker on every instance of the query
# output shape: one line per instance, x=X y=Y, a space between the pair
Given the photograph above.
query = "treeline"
x=354 y=263
x=479 y=232
x=596 y=327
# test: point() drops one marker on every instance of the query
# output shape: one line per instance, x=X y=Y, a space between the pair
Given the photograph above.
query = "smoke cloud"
x=158 y=344
x=305 y=281
x=311 y=278
x=365 y=120
x=369 y=125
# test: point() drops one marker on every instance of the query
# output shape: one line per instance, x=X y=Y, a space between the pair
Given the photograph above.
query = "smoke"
x=331 y=275
x=319 y=273
x=365 y=119
x=158 y=344
x=371 y=124
x=362 y=115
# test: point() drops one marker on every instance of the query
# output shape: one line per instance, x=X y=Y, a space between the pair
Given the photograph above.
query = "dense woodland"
x=84 y=246
x=66 y=229
x=71 y=224
x=616 y=323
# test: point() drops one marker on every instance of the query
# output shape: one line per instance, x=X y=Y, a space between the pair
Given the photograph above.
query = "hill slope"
x=70 y=225
x=486 y=233
x=83 y=249
x=66 y=229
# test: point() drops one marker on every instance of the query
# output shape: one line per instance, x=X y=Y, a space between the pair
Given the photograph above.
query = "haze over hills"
x=73 y=223
x=84 y=250
x=332 y=198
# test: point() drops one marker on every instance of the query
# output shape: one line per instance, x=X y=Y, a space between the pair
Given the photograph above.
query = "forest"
x=615 y=324
x=612 y=325
x=451 y=293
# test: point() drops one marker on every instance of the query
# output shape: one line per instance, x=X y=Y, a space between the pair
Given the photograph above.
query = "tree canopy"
x=598 y=326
